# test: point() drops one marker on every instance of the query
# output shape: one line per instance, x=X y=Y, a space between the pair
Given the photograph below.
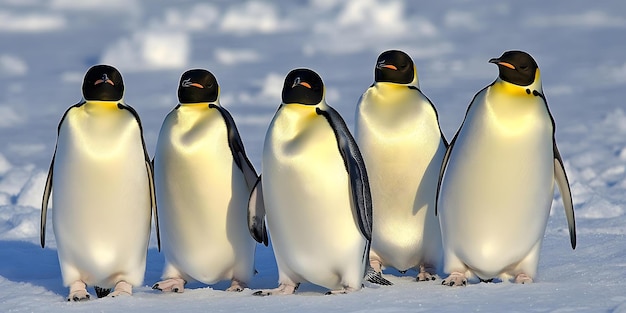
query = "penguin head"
x=516 y=67
x=197 y=86
x=303 y=86
x=103 y=83
x=394 y=66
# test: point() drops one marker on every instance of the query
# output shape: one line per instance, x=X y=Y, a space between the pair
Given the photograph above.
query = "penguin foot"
x=425 y=274
x=455 y=279
x=375 y=265
x=342 y=291
x=102 y=292
x=372 y=276
x=171 y=285
x=283 y=289
x=79 y=296
x=122 y=288
x=523 y=279
x=237 y=286
x=78 y=292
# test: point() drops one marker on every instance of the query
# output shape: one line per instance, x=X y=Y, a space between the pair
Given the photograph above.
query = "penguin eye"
x=296 y=82
x=523 y=67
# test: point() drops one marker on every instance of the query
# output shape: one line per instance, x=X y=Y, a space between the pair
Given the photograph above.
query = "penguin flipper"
x=566 y=194
x=256 y=214
x=149 y=167
x=249 y=173
x=446 y=158
x=44 y=203
x=432 y=105
x=236 y=147
x=355 y=166
x=155 y=211
x=48 y=189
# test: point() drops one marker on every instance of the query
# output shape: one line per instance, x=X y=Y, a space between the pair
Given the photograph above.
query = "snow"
x=250 y=45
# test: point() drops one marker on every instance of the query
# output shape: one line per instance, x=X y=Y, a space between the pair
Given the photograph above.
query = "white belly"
x=497 y=188
x=399 y=137
x=101 y=199
x=307 y=199
x=202 y=198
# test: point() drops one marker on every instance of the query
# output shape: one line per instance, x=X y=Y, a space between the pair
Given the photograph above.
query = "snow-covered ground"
x=250 y=45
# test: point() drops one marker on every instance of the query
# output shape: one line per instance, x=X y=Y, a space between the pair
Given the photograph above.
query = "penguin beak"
x=104 y=79
x=305 y=84
x=299 y=82
x=100 y=81
x=187 y=83
x=389 y=66
x=505 y=64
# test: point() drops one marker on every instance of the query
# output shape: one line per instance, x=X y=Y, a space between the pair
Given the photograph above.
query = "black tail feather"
x=102 y=292
x=375 y=277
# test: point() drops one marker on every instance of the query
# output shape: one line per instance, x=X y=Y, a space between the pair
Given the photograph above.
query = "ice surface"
x=250 y=45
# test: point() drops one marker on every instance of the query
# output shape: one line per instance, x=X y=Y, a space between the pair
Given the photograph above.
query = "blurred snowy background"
x=580 y=46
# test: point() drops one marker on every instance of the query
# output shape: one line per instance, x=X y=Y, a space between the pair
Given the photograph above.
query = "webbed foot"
x=122 y=288
x=78 y=292
x=523 y=279
x=455 y=279
x=342 y=291
x=425 y=274
x=283 y=289
x=237 y=286
x=170 y=285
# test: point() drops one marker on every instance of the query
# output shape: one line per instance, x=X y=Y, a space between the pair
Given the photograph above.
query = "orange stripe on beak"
x=196 y=85
x=305 y=84
x=100 y=81
x=509 y=65
x=390 y=66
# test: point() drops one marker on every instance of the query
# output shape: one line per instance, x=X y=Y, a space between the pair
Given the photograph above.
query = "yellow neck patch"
x=510 y=89
x=507 y=88
x=109 y=105
x=300 y=111
x=195 y=105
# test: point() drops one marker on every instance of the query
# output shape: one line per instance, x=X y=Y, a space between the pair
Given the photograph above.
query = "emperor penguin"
x=497 y=179
x=397 y=130
x=103 y=191
x=313 y=192
x=203 y=179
